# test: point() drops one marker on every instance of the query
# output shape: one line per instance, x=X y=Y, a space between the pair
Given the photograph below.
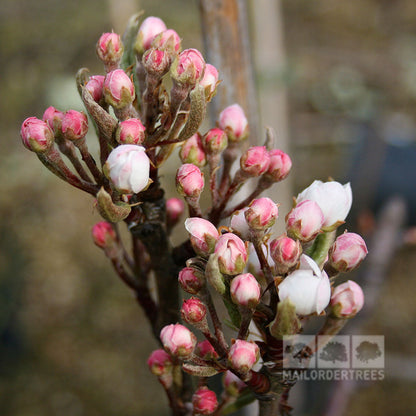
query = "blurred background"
x=73 y=341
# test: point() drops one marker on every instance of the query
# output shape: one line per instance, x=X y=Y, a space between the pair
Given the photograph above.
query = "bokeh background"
x=73 y=342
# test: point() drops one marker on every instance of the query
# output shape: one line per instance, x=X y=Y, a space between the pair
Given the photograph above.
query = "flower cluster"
x=151 y=99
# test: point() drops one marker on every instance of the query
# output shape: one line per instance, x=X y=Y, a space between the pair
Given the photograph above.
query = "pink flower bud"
x=167 y=40
x=280 y=165
x=156 y=61
x=305 y=221
x=333 y=198
x=203 y=235
x=193 y=311
x=206 y=351
x=128 y=168
x=215 y=141
x=347 y=299
x=150 y=27
x=243 y=355
x=189 y=67
x=233 y=385
x=234 y=122
x=174 y=209
x=308 y=288
x=189 y=180
x=36 y=135
x=347 y=252
x=190 y=280
x=245 y=290
x=232 y=254
x=74 y=125
x=193 y=152
x=160 y=363
x=178 y=340
x=204 y=401
x=53 y=118
x=118 y=89
x=239 y=225
x=110 y=48
x=95 y=87
x=209 y=81
x=261 y=214
x=103 y=234
x=255 y=161
x=130 y=131
x=285 y=251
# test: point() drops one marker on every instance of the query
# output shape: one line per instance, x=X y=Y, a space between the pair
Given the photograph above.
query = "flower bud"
x=209 y=81
x=215 y=141
x=347 y=252
x=233 y=385
x=206 y=351
x=347 y=299
x=255 y=161
x=95 y=87
x=130 y=131
x=261 y=214
x=167 y=40
x=178 y=340
x=190 y=280
x=53 y=118
x=308 y=288
x=150 y=27
x=174 y=209
x=128 y=168
x=189 y=180
x=204 y=401
x=193 y=152
x=74 y=125
x=188 y=67
x=160 y=363
x=285 y=251
x=243 y=355
x=36 y=135
x=194 y=311
x=239 y=225
x=280 y=165
x=156 y=62
x=203 y=235
x=333 y=198
x=234 y=122
x=104 y=235
x=110 y=49
x=118 y=89
x=245 y=290
x=304 y=221
x=232 y=254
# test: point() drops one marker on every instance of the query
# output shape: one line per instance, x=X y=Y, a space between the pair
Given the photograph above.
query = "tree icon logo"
x=298 y=353
x=334 y=351
x=368 y=351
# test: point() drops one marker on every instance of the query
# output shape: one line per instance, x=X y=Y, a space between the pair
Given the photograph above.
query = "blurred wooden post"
x=227 y=47
x=270 y=65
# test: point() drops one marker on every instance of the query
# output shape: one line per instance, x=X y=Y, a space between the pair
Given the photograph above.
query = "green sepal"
x=286 y=322
x=110 y=211
x=246 y=397
x=319 y=249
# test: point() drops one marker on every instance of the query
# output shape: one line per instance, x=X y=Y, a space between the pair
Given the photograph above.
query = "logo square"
x=298 y=352
x=334 y=351
x=368 y=351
